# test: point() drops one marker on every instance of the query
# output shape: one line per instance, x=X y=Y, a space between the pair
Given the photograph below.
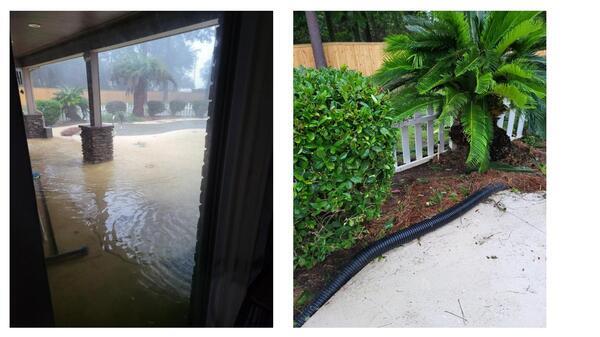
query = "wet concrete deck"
x=486 y=269
x=137 y=214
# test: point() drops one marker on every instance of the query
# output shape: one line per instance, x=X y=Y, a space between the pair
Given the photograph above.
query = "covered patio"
x=41 y=38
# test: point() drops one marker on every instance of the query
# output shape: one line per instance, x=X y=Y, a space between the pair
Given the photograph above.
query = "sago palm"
x=466 y=64
x=139 y=72
x=69 y=99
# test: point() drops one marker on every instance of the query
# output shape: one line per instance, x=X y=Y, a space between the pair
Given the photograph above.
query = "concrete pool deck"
x=485 y=269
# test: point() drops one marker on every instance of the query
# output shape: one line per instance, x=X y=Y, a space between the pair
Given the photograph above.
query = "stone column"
x=34 y=126
x=96 y=143
x=34 y=120
x=96 y=139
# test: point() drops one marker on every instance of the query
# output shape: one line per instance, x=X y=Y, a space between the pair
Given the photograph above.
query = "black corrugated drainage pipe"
x=392 y=241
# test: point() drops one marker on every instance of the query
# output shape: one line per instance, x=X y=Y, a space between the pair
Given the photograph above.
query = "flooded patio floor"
x=136 y=214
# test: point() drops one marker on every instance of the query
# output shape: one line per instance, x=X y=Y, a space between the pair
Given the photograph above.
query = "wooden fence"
x=365 y=57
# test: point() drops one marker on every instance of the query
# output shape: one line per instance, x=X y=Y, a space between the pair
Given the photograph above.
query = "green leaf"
x=469 y=62
x=485 y=82
x=478 y=128
x=454 y=103
x=520 y=31
x=518 y=98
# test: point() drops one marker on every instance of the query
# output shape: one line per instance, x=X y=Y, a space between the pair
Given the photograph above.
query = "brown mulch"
x=420 y=193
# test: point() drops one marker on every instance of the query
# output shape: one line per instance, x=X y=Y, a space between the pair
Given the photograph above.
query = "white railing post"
x=418 y=139
x=441 y=144
x=511 y=123
x=430 y=139
x=520 y=125
x=500 y=122
x=396 y=158
x=405 y=145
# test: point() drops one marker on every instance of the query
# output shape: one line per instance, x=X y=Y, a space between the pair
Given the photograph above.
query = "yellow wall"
x=115 y=95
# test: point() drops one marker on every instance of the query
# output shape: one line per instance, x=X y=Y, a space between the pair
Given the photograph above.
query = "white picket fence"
x=510 y=127
x=438 y=144
x=186 y=112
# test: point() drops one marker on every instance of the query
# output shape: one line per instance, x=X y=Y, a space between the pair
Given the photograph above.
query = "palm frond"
x=454 y=103
x=477 y=126
x=485 y=82
x=459 y=22
x=521 y=31
x=510 y=91
x=498 y=23
x=468 y=62
x=408 y=101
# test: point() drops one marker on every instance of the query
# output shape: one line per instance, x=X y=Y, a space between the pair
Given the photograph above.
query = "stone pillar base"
x=96 y=143
x=34 y=126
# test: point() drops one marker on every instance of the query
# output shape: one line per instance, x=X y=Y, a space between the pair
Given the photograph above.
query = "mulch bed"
x=420 y=193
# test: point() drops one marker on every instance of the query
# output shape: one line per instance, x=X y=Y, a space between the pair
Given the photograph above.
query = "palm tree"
x=70 y=99
x=140 y=72
x=466 y=65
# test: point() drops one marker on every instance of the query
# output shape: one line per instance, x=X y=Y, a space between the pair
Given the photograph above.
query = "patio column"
x=34 y=121
x=26 y=76
x=96 y=139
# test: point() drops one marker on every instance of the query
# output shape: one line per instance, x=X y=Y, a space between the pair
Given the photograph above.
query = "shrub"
x=200 y=108
x=465 y=64
x=176 y=106
x=51 y=109
x=70 y=99
x=113 y=107
x=84 y=106
x=343 y=159
x=155 y=107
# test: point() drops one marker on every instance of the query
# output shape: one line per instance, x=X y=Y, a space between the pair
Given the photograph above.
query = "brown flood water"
x=137 y=215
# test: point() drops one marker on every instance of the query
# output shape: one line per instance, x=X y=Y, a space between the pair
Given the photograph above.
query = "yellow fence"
x=365 y=57
x=116 y=95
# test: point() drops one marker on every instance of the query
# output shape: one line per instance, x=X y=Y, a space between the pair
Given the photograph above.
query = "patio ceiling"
x=67 y=34
x=55 y=27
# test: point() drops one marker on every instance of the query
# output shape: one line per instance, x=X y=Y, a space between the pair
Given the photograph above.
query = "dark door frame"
x=234 y=250
x=30 y=302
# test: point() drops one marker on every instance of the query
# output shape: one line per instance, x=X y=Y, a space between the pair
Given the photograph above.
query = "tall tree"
x=315 y=39
x=140 y=72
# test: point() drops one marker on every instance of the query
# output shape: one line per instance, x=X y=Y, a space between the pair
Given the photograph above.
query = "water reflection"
x=141 y=208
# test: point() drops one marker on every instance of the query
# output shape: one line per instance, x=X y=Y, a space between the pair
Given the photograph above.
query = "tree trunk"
x=139 y=99
x=315 y=39
x=499 y=148
x=71 y=113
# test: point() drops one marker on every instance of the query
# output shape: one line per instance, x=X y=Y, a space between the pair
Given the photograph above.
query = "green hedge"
x=114 y=107
x=343 y=159
x=155 y=107
x=176 y=106
x=51 y=109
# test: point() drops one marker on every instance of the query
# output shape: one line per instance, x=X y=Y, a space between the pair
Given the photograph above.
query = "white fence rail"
x=188 y=111
x=434 y=145
x=410 y=156
x=510 y=126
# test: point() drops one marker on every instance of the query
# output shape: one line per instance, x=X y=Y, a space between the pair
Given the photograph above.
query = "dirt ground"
x=422 y=192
